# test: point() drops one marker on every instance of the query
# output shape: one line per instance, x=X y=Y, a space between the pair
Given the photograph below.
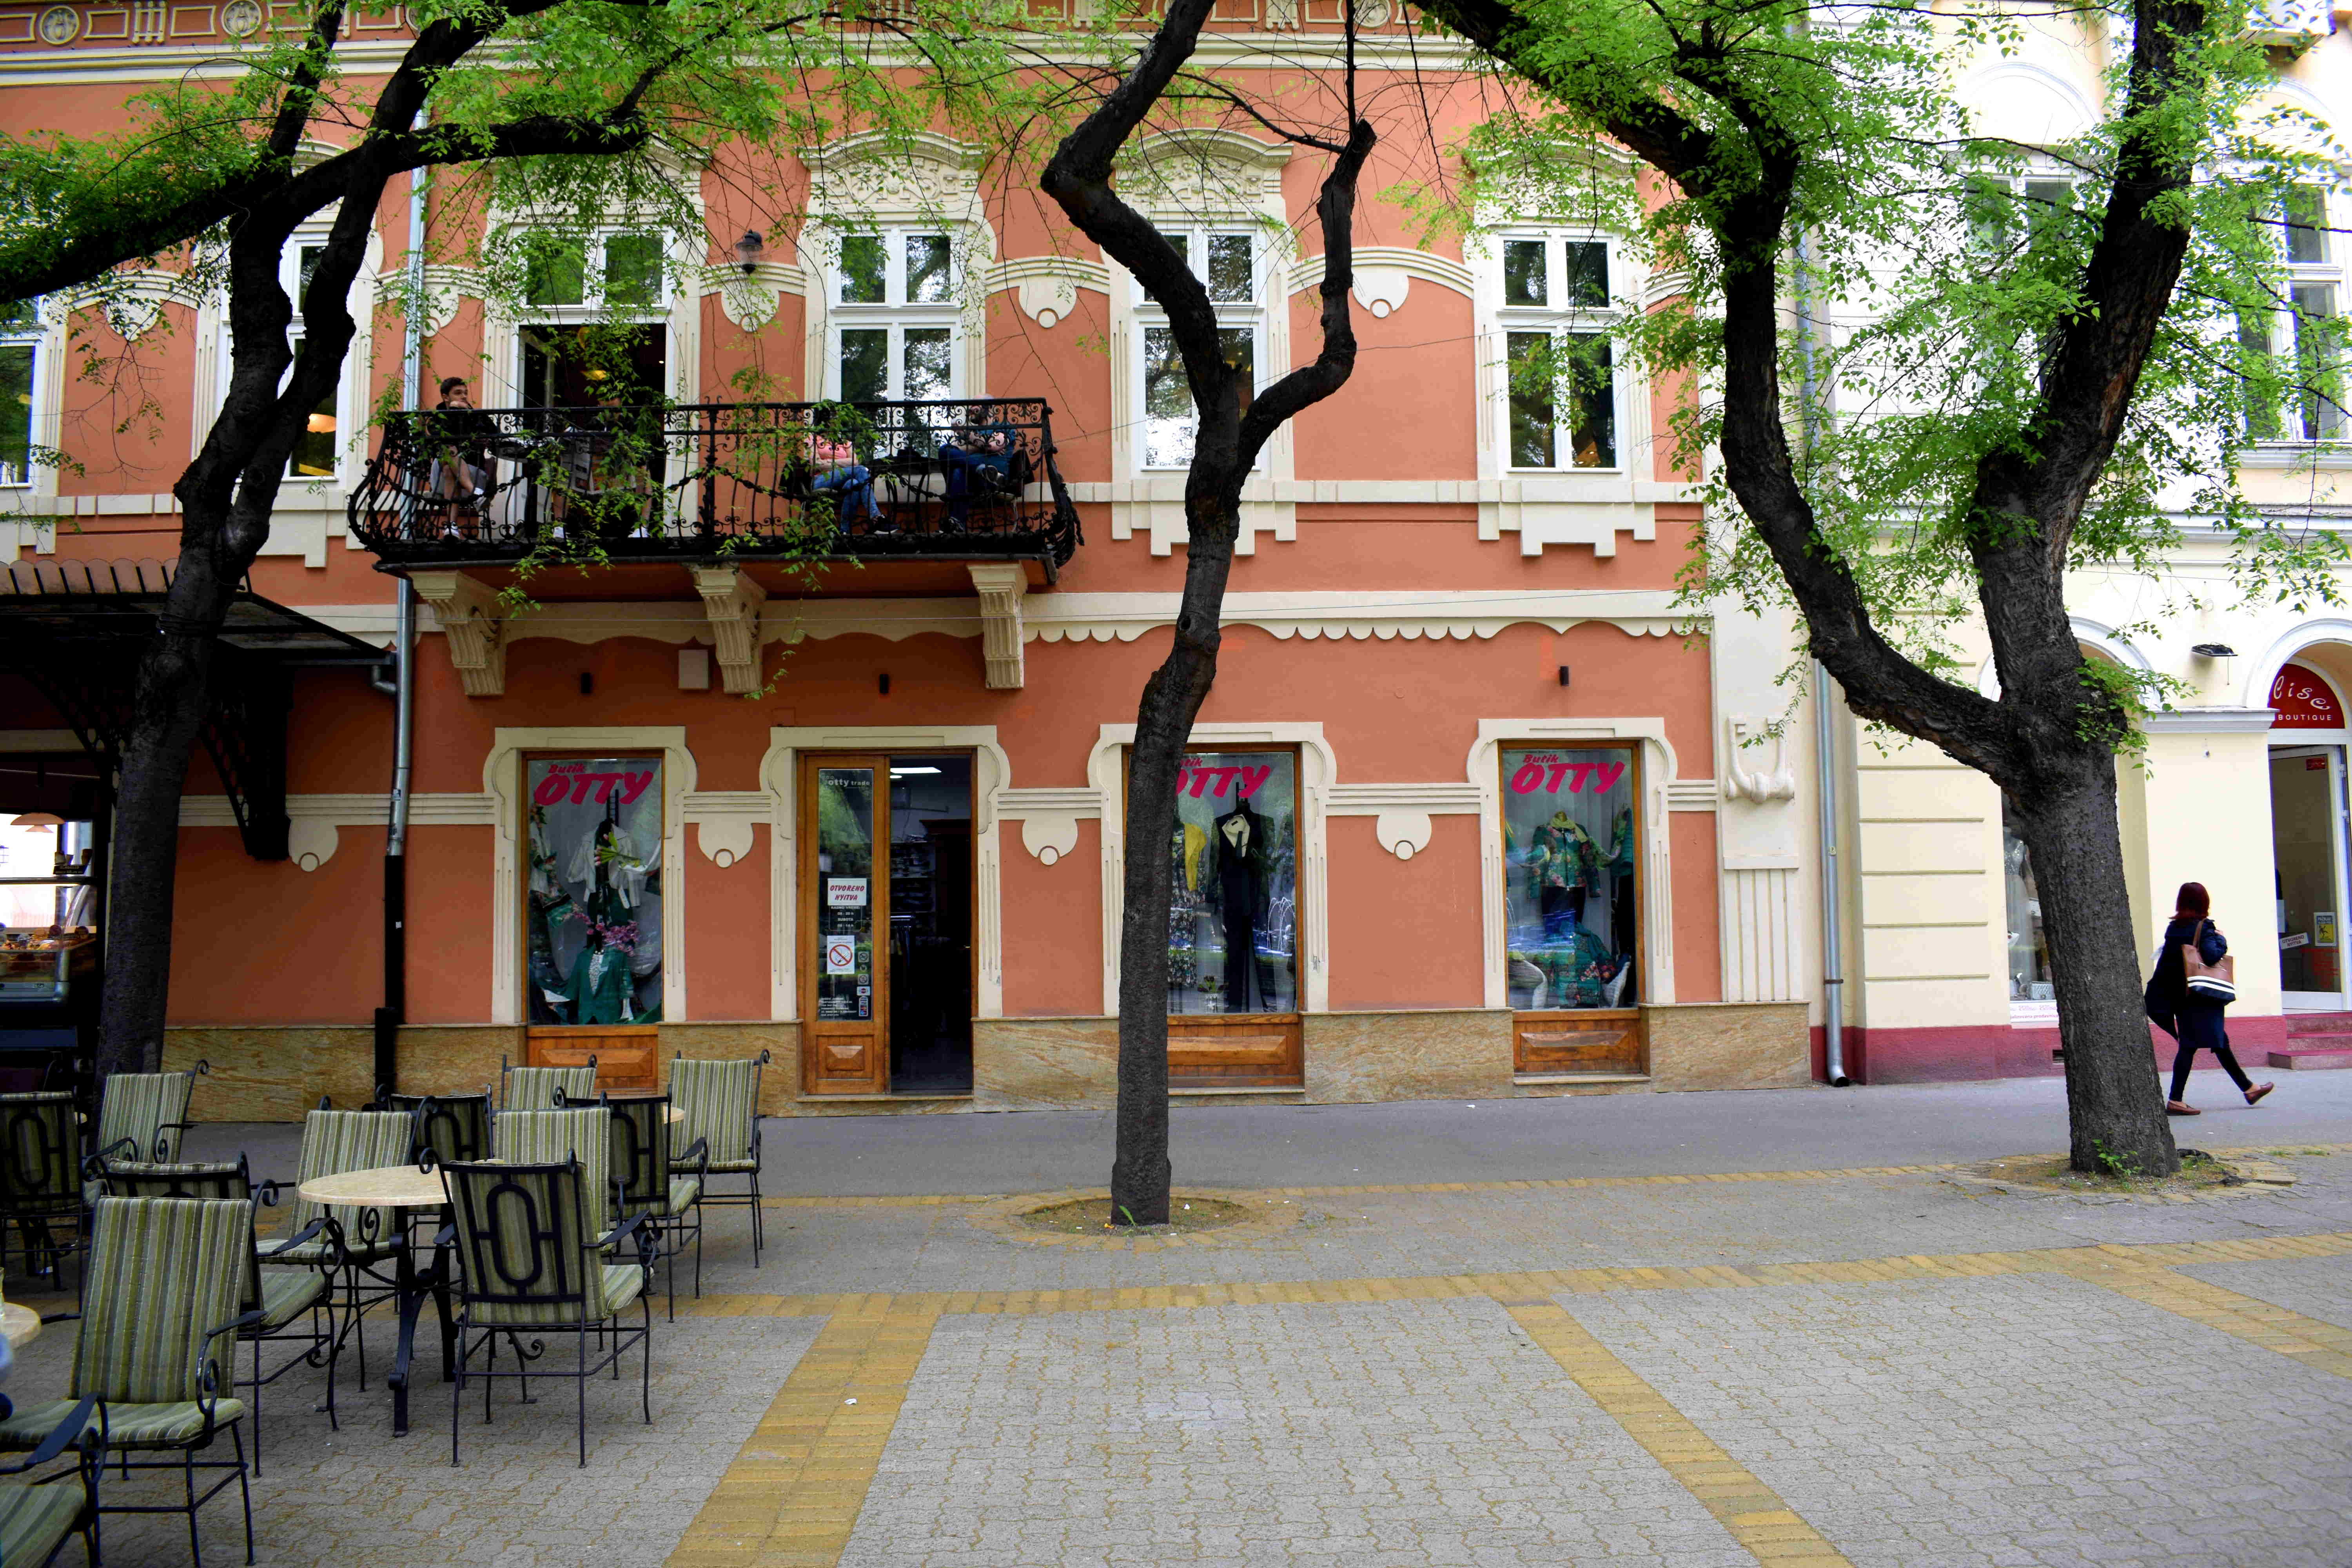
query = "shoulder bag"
x=2208 y=982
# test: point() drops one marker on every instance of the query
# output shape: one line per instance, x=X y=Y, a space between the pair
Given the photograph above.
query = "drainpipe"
x=1824 y=748
x=389 y=1016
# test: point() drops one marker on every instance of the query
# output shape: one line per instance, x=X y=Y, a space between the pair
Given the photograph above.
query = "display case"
x=49 y=942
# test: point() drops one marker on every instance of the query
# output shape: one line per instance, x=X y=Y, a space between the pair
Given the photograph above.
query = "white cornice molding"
x=1047 y=286
x=2211 y=721
x=1383 y=273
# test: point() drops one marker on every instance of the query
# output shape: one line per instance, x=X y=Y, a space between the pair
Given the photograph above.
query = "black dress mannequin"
x=1238 y=839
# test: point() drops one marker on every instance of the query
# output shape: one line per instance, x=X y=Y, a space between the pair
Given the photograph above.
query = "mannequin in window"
x=601 y=991
x=982 y=467
x=1621 y=883
x=1561 y=862
x=1239 y=841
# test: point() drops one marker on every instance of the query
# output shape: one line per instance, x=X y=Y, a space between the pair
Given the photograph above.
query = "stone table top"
x=22 y=1325
x=385 y=1186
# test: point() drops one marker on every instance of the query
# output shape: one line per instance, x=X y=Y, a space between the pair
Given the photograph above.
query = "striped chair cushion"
x=533 y=1088
x=140 y=1105
x=127 y=1426
x=719 y=1100
x=35 y=1520
x=551 y=1137
x=685 y=1191
x=334 y=1142
x=162 y=1272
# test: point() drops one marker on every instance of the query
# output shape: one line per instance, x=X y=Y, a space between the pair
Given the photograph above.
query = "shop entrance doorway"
x=887 y=918
x=2307 y=850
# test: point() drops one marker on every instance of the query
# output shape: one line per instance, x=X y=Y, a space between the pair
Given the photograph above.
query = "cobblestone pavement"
x=1901 y=1367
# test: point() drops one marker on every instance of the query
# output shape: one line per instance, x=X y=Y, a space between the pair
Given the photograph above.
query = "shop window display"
x=1233 y=917
x=594 y=952
x=1570 y=913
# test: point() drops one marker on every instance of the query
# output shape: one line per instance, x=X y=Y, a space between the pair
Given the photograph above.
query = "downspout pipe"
x=403 y=690
x=1824 y=742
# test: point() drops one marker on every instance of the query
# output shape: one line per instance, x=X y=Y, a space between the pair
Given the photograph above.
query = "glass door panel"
x=927 y=966
x=2307 y=858
x=845 y=903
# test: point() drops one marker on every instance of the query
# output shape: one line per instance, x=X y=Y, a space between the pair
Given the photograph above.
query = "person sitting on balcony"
x=984 y=467
x=839 y=474
x=461 y=464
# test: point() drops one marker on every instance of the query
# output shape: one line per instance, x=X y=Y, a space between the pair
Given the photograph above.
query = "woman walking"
x=2192 y=1019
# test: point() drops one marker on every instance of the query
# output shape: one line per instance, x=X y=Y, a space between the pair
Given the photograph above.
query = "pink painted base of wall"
x=1969 y=1053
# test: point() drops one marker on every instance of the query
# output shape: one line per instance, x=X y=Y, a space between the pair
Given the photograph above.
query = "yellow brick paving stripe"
x=793 y=1493
x=1765 y=1526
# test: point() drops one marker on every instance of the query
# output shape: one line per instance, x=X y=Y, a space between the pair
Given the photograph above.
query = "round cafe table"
x=400 y=1188
x=22 y=1325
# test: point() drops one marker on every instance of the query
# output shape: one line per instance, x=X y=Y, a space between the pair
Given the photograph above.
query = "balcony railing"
x=739 y=480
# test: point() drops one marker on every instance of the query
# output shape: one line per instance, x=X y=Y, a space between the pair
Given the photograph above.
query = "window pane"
x=864 y=365
x=16 y=412
x=861 y=270
x=2306 y=224
x=1183 y=245
x=1233 y=912
x=556 y=273
x=1524 y=278
x=927 y=268
x=928 y=362
x=2047 y=204
x=2253 y=353
x=633 y=270
x=2029 y=954
x=1167 y=403
x=1239 y=346
x=1592 y=430
x=591 y=922
x=2318 y=362
x=313 y=456
x=845 y=860
x=1586 y=272
x=1530 y=362
x=1569 y=914
x=1984 y=206
x=1229 y=269
x=305 y=261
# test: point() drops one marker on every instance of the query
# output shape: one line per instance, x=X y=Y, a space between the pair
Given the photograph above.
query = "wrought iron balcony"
x=939 y=480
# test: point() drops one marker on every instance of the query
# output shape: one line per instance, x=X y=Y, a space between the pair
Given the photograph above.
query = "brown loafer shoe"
x=2259 y=1090
x=2180 y=1108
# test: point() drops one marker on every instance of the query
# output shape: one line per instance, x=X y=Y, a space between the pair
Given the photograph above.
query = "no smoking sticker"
x=841 y=955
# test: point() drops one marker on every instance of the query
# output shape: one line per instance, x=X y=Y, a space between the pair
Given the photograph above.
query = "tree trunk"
x=174 y=690
x=2114 y=1110
x=1141 y=1172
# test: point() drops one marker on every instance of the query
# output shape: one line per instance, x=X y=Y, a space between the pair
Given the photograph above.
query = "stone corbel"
x=733 y=601
x=1777 y=783
x=468 y=613
x=1000 y=589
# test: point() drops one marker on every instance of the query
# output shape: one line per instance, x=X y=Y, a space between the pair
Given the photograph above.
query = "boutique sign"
x=2302 y=699
x=1542 y=774
x=581 y=782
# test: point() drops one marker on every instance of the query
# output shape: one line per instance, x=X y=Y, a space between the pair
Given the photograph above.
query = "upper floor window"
x=1226 y=263
x=313 y=456
x=2302 y=331
x=595 y=320
x=20 y=352
x=1562 y=380
x=897 y=320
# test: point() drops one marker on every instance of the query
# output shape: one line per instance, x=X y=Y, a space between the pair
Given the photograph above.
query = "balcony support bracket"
x=468 y=613
x=1001 y=587
x=733 y=600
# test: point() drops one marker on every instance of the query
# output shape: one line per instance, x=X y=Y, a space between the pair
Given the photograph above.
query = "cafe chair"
x=273 y=1305
x=649 y=1179
x=721 y=1102
x=35 y=1517
x=165 y=1278
x=533 y=1261
x=535 y=1089
x=42 y=1199
x=456 y=1127
x=140 y=1116
x=354 y=1244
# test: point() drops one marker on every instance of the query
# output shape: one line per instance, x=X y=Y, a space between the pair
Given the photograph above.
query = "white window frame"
x=2283 y=329
x=895 y=313
x=33 y=334
x=1250 y=314
x=1558 y=317
x=591 y=308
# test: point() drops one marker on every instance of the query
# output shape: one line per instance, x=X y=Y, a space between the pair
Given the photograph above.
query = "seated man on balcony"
x=839 y=474
x=984 y=467
x=461 y=460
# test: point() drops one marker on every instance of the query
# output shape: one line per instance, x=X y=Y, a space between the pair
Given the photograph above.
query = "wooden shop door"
x=886 y=921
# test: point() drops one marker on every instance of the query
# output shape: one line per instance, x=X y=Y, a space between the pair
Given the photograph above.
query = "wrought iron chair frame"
x=507 y=1071
x=470 y=1227
x=74 y=1432
x=466 y=1118
x=324 y=1345
x=751 y=1196
x=354 y=1260
x=162 y=1152
x=637 y=1121
x=26 y=1204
